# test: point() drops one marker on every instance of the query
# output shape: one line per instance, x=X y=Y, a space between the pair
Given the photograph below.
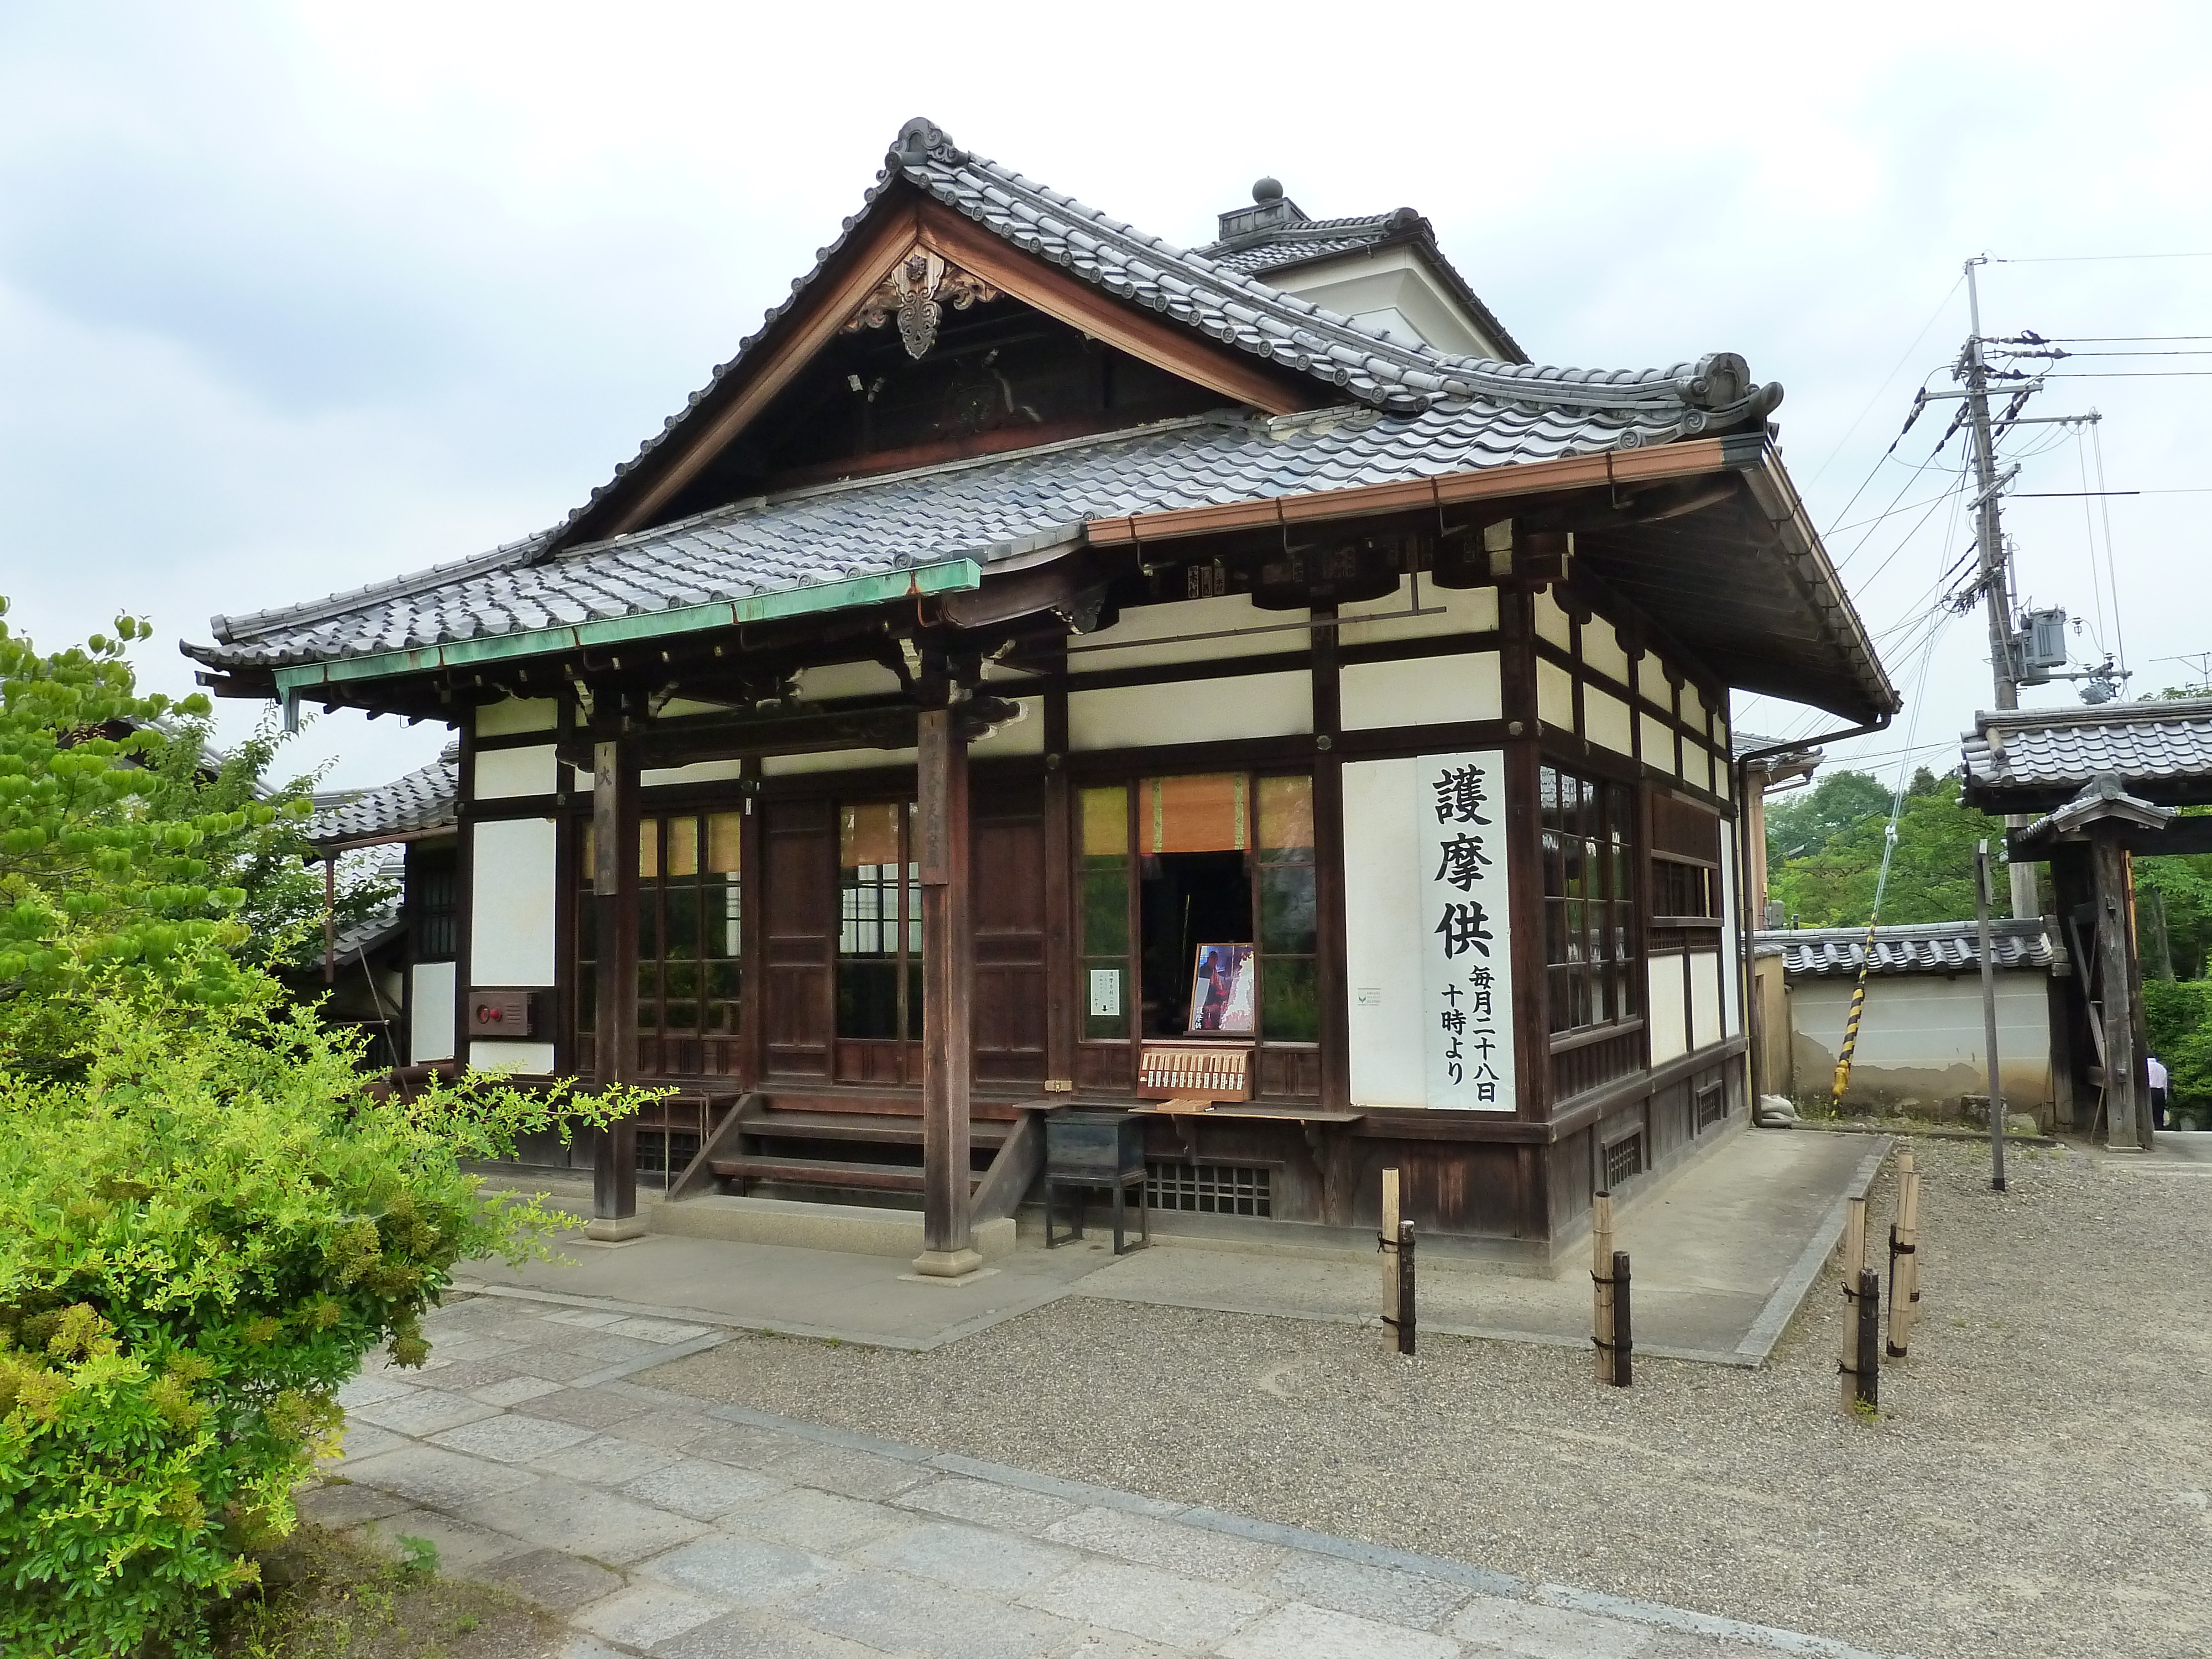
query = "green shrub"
x=200 y=1238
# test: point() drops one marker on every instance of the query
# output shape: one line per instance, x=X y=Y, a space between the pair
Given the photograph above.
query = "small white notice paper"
x=1105 y=992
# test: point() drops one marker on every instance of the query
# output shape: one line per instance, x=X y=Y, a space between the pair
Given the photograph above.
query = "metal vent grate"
x=1208 y=1188
x=1712 y=1106
x=1624 y=1159
x=665 y=1152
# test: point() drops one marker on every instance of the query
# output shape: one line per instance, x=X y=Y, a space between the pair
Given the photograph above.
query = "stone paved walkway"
x=654 y=1526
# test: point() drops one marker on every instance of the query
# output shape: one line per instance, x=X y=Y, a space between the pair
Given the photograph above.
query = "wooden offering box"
x=1189 y=1077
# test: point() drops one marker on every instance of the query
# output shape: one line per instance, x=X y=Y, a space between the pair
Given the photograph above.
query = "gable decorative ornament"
x=916 y=292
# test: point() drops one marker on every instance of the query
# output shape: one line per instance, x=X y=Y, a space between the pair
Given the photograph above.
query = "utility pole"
x=1996 y=570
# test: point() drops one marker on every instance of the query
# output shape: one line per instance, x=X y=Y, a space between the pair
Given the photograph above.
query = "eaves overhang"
x=922 y=581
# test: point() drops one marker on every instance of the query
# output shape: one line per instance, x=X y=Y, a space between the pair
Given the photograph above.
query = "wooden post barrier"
x=1602 y=1284
x=1623 y=1342
x=1386 y=1240
x=1406 y=1317
x=1904 y=1257
x=1854 y=1266
x=1867 y=1374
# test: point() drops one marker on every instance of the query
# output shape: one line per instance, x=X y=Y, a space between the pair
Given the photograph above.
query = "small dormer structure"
x=1385 y=272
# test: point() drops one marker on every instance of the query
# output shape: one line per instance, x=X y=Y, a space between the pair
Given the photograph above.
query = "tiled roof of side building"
x=2061 y=748
x=1938 y=947
x=1275 y=235
x=425 y=799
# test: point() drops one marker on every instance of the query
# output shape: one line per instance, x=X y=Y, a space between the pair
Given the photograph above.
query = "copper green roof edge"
x=950 y=576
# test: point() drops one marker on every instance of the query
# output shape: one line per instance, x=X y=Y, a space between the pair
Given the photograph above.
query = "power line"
x=2086 y=258
x=2110 y=339
x=1932 y=317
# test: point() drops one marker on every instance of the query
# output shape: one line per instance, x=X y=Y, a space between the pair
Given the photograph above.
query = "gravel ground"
x=2037 y=1483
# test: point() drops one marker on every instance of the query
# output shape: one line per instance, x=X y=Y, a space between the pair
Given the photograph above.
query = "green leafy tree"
x=1932 y=877
x=122 y=848
x=202 y=1232
x=1804 y=821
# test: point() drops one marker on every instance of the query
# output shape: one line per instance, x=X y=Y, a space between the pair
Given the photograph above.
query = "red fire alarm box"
x=503 y=1011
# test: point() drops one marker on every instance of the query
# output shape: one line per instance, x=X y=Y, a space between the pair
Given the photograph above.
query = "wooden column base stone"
x=948 y=1264
x=614 y=1229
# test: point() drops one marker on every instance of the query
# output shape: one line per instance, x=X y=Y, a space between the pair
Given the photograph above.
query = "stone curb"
x=1486 y=1580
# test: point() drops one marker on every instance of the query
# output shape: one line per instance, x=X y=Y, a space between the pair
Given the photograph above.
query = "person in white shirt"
x=2157 y=1091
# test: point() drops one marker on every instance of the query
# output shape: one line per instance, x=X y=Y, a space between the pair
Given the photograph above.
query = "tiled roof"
x=422 y=799
x=382 y=925
x=1936 y=947
x=2144 y=744
x=987 y=509
x=1275 y=235
x=1410 y=411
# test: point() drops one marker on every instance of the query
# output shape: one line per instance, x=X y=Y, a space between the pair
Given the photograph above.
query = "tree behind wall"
x=1830 y=880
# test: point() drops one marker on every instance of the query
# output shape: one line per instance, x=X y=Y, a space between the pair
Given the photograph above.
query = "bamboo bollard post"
x=1407 y=1316
x=1601 y=1283
x=1854 y=1264
x=1867 y=1377
x=1905 y=1256
x=1386 y=1240
x=1624 y=1333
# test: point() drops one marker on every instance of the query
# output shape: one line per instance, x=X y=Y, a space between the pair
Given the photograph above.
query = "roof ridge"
x=2140 y=713
x=1716 y=389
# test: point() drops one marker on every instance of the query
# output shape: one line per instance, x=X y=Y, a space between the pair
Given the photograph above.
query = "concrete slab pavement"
x=1724 y=1249
x=760 y=1536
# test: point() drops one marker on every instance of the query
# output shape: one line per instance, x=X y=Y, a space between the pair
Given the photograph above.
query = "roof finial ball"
x=1266 y=190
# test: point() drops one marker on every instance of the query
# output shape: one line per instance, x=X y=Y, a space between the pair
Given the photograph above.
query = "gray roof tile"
x=1412 y=412
x=2140 y=743
x=1939 y=947
x=425 y=799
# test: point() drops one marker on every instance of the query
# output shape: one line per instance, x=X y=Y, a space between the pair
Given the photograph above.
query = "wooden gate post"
x=2125 y=1117
x=947 y=1238
x=614 y=902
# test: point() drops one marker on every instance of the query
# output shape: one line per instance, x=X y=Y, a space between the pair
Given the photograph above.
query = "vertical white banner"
x=1466 y=944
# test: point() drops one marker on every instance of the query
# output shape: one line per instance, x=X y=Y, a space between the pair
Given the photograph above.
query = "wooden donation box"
x=1083 y=1149
x=1189 y=1077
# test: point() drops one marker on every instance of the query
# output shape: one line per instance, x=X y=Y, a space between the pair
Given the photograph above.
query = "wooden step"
x=890 y=1106
x=857 y=1127
x=816 y=1172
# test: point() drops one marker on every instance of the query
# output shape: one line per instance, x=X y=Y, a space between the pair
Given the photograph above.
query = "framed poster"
x=1466 y=941
x=1221 y=990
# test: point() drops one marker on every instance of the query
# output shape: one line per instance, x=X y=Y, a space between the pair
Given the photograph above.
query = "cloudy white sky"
x=294 y=298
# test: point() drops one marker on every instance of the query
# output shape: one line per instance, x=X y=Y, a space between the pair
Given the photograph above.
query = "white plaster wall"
x=1394 y=279
x=1024 y=737
x=697 y=772
x=836 y=760
x=1663 y=1008
x=430 y=1012
x=513 y=897
x=503 y=773
x=1419 y=691
x=1731 y=939
x=1606 y=720
x=1551 y=622
x=1192 y=711
x=1694 y=709
x=1697 y=765
x=1555 y=695
x=1602 y=650
x=1383 y=932
x=1658 y=744
x=1705 y=980
x=1233 y=617
x=1463 y=611
x=847 y=680
x=499 y=720
x=1928 y=1021
x=534 y=1058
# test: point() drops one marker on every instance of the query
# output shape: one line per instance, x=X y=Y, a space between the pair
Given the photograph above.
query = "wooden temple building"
x=1047 y=668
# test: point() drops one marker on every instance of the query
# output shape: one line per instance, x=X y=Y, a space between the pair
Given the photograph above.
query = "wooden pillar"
x=613 y=895
x=1331 y=989
x=2124 y=1072
x=1064 y=995
x=948 y=1033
